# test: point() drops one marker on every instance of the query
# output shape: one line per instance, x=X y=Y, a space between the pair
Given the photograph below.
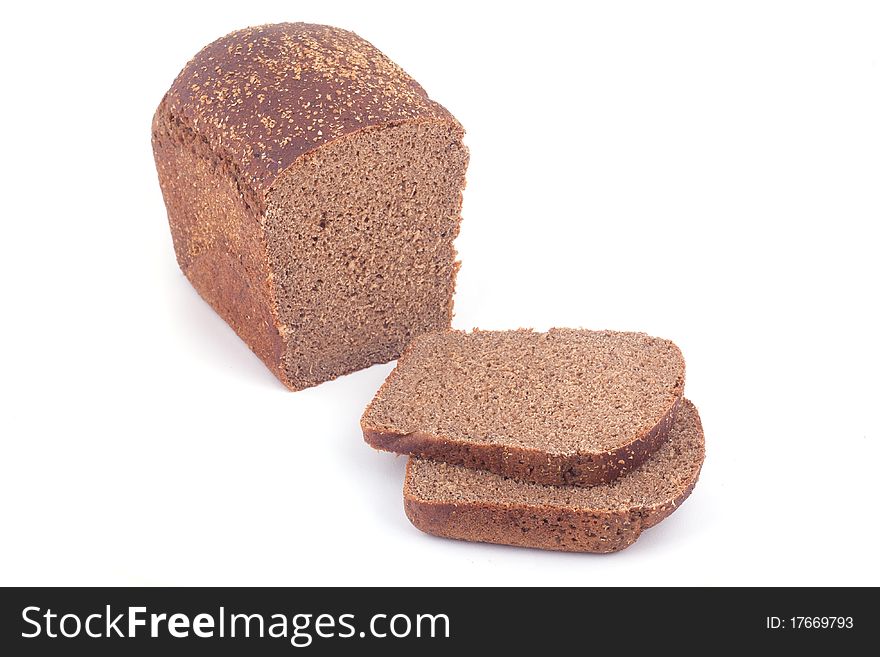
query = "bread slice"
x=314 y=193
x=457 y=502
x=564 y=407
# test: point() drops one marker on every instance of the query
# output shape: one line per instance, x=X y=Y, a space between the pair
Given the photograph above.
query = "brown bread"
x=314 y=192
x=564 y=407
x=457 y=502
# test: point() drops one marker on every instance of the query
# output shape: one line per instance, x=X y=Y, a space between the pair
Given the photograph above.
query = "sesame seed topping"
x=274 y=92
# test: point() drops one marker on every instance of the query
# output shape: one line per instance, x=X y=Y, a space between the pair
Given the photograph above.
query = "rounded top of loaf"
x=263 y=96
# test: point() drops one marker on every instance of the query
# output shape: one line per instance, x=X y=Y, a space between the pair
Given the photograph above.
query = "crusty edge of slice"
x=532 y=465
x=545 y=527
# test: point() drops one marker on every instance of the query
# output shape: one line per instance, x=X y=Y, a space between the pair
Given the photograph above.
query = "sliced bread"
x=457 y=502
x=568 y=406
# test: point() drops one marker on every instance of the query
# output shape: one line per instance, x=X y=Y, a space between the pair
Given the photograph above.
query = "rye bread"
x=313 y=192
x=456 y=502
x=568 y=406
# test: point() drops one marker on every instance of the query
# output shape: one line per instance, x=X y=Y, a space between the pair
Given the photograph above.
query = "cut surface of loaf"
x=568 y=406
x=456 y=502
x=314 y=192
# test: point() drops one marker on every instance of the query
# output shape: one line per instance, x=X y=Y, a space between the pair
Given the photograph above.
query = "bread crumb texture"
x=561 y=392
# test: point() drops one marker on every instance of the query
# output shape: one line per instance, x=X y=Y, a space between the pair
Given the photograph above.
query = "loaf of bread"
x=568 y=406
x=314 y=192
x=457 y=502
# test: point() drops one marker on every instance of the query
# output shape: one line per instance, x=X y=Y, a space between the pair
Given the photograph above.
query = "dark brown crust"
x=266 y=95
x=241 y=113
x=530 y=465
x=217 y=236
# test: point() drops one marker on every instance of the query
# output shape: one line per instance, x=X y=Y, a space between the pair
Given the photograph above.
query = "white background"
x=706 y=173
